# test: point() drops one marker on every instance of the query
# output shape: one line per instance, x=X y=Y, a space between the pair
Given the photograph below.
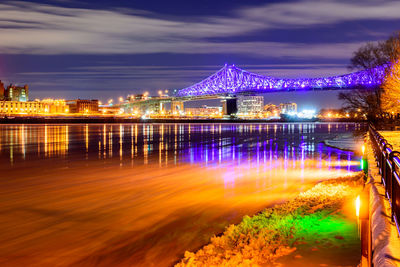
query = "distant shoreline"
x=50 y=120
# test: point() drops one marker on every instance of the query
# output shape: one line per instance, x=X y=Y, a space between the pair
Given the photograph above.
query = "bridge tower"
x=177 y=106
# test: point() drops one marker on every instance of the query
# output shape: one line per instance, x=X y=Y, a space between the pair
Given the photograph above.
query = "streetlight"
x=358 y=204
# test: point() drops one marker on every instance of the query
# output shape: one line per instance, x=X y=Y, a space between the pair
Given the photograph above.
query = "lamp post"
x=362 y=212
x=363 y=216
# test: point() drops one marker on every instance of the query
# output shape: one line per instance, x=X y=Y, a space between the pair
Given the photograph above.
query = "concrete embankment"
x=385 y=239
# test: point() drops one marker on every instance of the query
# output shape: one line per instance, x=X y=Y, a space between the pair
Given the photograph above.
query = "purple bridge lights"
x=231 y=80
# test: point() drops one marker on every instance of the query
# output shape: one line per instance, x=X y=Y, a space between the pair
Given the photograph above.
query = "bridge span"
x=231 y=81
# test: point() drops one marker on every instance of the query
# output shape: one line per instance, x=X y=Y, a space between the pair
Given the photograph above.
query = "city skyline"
x=200 y=133
x=71 y=49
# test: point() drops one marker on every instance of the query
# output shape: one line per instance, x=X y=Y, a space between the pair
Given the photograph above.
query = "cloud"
x=171 y=77
x=44 y=29
x=179 y=71
x=319 y=12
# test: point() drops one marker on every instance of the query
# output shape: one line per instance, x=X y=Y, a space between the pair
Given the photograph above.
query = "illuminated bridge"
x=231 y=80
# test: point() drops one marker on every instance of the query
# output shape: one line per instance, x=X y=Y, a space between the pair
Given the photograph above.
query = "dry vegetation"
x=275 y=232
x=390 y=99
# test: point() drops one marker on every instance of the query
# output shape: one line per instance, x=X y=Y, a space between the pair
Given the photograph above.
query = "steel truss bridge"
x=231 y=80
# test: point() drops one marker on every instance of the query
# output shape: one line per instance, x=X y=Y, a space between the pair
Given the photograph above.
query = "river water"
x=142 y=194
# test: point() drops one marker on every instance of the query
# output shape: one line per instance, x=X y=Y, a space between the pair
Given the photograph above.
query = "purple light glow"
x=232 y=80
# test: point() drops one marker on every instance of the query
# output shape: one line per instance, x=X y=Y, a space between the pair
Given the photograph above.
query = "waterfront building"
x=286 y=108
x=204 y=111
x=2 y=90
x=177 y=107
x=337 y=114
x=150 y=107
x=83 y=106
x=110 y=110
x=229 y=106
x=250 y=104
x=19 y=107
x=47 y=106
x=271 y=109
x=54 y=106
x=16 y=93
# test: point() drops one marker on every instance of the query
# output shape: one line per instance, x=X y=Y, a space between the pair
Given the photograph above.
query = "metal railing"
x=388 y=162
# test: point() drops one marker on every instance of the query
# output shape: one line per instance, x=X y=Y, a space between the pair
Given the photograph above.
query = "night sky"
x=106 y=49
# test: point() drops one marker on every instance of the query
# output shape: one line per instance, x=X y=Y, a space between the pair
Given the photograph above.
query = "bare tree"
x=368 y=101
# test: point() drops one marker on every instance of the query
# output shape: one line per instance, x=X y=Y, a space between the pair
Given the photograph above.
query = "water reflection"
x=123 y=194
x=206 y=143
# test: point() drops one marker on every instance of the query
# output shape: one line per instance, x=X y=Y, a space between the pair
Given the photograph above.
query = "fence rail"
x=388 y=162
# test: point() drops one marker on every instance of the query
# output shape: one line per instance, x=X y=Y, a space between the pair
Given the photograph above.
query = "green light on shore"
x=364 y=165
x=321 y=226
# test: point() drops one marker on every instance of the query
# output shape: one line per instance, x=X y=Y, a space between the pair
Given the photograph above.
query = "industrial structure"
x=287 y=108
x=250 y=104
x=83 y=106
x=14 y=93
x=204 y=111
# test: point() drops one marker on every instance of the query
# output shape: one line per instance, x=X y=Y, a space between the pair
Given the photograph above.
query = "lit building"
x=177 y=107
x=54 y=106
x=336 y=114
x=83 y=106
x=286 y=108
x=271 y=110
x=229 y=106
x=203 y=111
x=18 y=107
x=106 y=109
x=47 y=106
x=16 y=93
x=250 y=104
x=2 y=91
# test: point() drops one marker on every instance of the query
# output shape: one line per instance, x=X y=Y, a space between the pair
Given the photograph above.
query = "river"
x=142 y=194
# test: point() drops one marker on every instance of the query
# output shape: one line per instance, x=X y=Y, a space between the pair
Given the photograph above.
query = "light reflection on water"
x=143 y=193
x=173 y=143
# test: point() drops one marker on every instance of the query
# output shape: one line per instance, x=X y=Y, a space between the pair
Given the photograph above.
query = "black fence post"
x=393 y=180
x=388 y=163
